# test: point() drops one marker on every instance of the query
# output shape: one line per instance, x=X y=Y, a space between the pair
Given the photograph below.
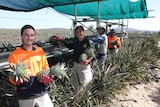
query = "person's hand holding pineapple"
x=87 y=56
x=114 y=44
x=19 y=73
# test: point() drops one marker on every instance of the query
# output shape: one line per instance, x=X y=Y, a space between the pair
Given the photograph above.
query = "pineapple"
x=43 y=72
x=83 y=57
x=90 y=52
x=59 y=71
x=113 y=43
x=19 y=71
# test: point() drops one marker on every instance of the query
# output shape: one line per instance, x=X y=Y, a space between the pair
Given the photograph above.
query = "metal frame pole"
x=98 y=18
x=75 y=20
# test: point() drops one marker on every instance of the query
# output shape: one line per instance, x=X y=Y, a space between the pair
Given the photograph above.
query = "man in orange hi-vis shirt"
x=32 y=92
x=114 y=42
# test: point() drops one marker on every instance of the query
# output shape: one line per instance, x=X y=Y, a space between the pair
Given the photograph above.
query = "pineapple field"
x=137 y=62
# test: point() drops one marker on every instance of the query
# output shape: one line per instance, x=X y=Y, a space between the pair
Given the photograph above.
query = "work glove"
x=58 y=38
x=46 y=79
x=17 y=82
x=87 y=61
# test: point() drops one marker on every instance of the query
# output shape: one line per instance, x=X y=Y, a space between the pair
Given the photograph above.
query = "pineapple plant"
x=19 y=71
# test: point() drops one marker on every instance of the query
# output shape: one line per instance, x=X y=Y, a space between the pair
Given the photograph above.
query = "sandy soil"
x=140 y=95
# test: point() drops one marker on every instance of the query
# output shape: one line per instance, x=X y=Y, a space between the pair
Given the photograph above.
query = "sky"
x=49 y=18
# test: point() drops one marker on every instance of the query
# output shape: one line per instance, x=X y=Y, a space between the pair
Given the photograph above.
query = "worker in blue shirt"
x=102 y=42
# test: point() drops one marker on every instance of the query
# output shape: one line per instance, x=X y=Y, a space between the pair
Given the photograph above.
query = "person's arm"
x=118 y=42
x=99 y=39
x=68 y=44
x=45 y=78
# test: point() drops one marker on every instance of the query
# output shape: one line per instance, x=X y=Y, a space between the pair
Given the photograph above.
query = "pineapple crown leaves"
x=12 y=67
x=43 y=72
x=59 y=71
x=19 y=71
x=90 y=52
x=113 y=42
x=83 y=57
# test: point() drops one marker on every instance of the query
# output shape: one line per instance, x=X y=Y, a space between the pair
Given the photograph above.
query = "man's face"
x=28 y=37
x=101 y=31
x=112 y=33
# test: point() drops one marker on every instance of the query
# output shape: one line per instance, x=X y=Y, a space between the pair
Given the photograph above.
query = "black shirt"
x=78 y=46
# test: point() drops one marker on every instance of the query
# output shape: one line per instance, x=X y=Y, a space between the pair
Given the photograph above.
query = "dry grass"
x=13 y=35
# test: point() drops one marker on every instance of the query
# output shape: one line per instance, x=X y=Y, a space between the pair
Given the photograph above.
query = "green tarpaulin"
x=109 y=9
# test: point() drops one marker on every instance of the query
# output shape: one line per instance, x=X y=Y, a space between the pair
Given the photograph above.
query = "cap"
x=112 y=31
x=100 y=27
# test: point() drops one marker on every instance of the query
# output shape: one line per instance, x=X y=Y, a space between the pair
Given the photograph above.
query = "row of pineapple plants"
x=128 y=66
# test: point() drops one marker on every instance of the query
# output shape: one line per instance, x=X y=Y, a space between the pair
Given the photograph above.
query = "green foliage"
x=8 y=96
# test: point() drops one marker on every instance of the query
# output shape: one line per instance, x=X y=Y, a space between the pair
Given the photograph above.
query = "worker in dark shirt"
x=79 y=45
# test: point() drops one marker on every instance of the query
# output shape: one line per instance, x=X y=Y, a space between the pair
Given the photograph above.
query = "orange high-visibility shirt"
x=110 y=38
x=36 y=60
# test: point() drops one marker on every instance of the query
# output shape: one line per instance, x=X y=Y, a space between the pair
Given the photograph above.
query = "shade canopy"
x=105 y=9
